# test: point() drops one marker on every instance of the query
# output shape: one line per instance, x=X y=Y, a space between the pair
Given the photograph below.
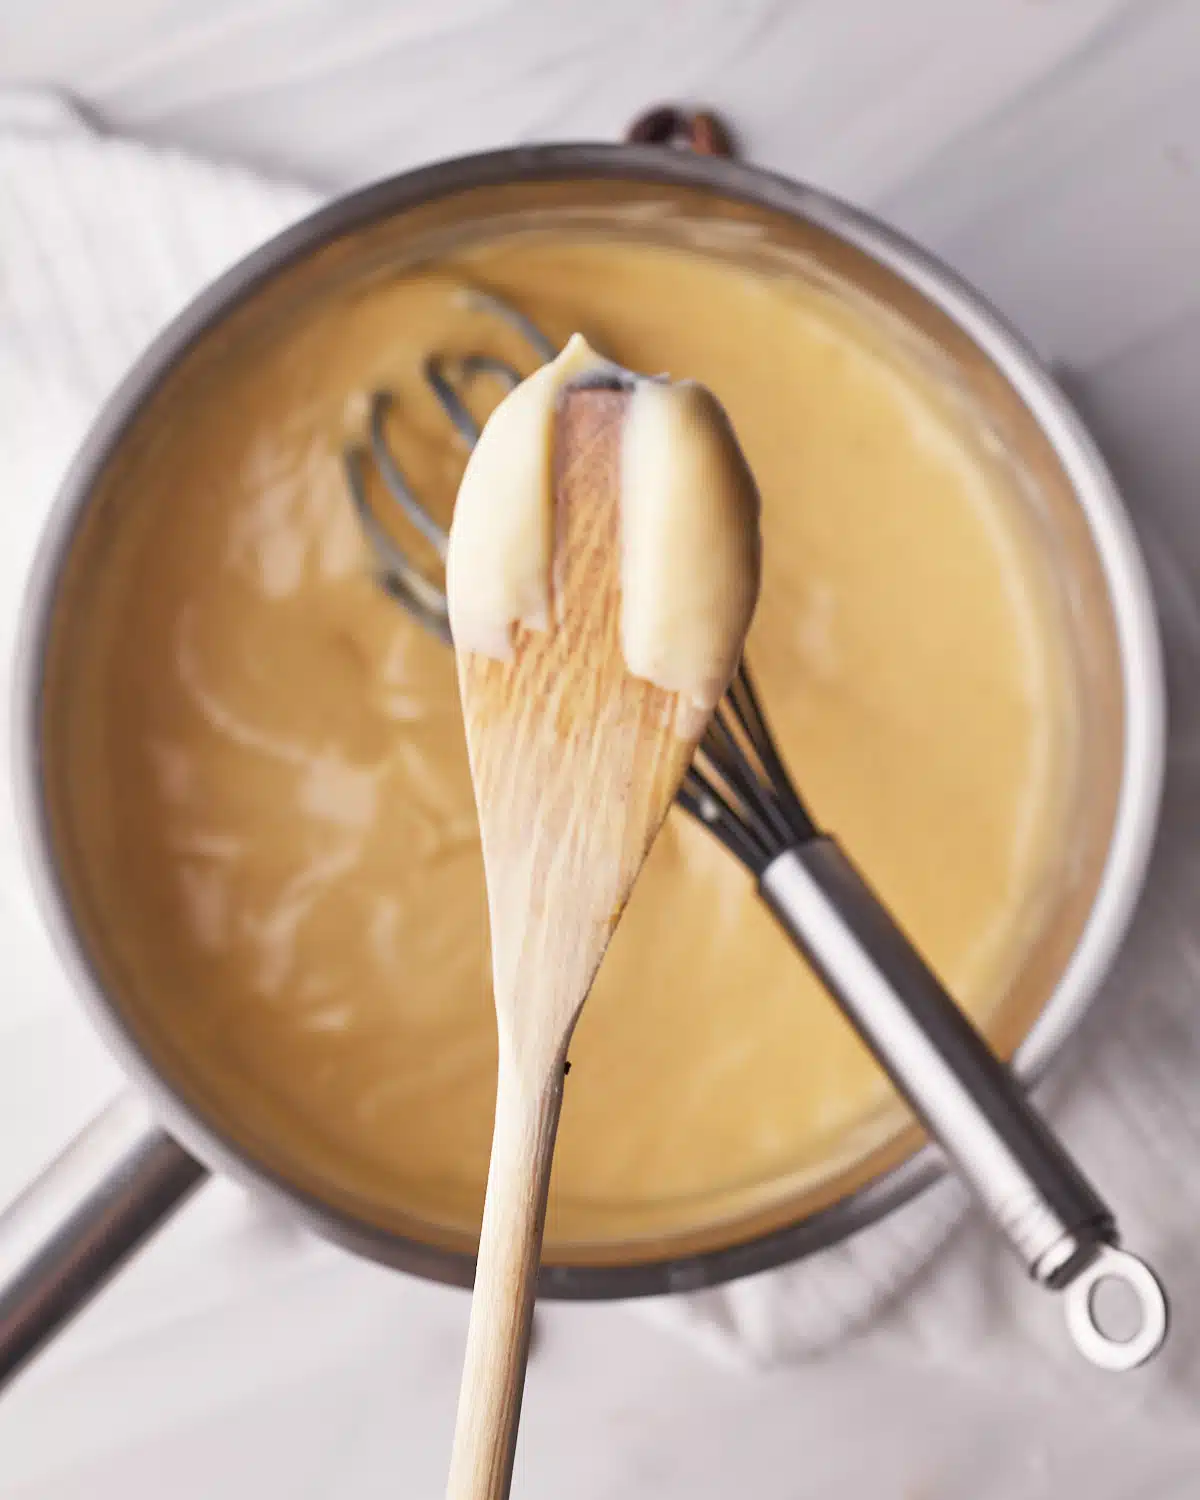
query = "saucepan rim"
x=1111 y=531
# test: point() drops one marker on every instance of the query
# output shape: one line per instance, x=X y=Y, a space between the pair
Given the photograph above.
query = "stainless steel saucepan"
x=141 y=1158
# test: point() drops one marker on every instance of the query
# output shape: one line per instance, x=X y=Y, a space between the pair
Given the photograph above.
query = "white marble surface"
x=1050 y=149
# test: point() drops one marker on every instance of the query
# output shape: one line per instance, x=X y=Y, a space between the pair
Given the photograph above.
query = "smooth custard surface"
x=284 y=845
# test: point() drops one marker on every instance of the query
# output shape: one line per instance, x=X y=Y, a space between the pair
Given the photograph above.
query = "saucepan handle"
x=78 y=1222
x=970 y=1102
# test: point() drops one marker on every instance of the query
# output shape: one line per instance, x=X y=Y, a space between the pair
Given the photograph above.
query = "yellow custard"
x=282 y=843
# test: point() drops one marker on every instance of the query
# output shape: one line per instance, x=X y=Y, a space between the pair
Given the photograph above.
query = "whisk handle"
x=968 y=1100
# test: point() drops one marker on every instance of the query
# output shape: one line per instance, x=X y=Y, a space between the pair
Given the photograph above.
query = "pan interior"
x=254 y=765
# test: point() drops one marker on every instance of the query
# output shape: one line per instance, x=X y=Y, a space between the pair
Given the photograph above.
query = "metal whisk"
x=739 y=789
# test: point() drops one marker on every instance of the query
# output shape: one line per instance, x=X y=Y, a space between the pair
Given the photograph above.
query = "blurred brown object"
x=668 y=125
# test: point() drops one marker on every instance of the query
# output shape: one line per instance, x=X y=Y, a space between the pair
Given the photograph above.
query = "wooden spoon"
x=575 y=763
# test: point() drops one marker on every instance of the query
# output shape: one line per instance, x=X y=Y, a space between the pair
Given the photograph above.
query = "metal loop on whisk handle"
x=970 y=1102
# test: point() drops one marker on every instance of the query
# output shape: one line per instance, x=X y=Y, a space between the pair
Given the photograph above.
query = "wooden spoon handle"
x=510 y=1247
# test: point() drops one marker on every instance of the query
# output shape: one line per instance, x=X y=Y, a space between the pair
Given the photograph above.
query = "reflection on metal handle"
x=967 y=1099
x=79 y=1221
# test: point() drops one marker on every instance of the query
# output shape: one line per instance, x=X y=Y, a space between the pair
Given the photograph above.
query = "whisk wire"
x=396 y=575
x=393 y=478
x=742 y=701
x=748 y=797
x=699 y=798
x=438 y=372
x=481 y=301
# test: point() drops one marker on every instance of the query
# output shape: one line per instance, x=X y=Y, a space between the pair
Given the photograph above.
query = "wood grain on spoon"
x=602 y=571
x=575 y=763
